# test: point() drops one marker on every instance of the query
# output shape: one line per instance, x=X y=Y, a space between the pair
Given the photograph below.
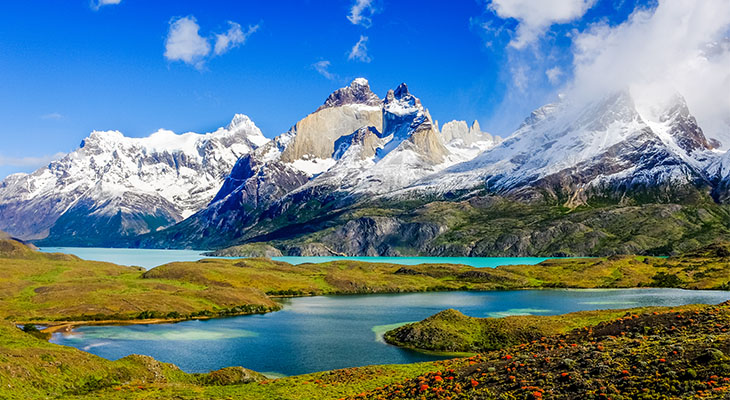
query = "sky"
x=73 y=66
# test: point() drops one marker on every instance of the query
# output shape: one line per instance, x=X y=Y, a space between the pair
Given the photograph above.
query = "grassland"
x=61 y=289
x=47 y=288
x=57 y=288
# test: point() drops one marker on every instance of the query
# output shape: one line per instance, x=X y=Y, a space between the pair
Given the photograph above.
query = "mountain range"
x=364 y=175
x=114 y=186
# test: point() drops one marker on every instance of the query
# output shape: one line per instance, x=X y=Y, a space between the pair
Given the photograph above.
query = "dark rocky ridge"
x=357 y=93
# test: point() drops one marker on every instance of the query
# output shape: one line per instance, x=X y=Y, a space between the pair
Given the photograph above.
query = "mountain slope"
x=570 y=153
x=353 y=146
x=115 y=186
x=607 y=177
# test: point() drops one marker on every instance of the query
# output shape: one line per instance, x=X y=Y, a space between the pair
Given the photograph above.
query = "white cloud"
x=233 y=38
x=535 y=17
x=96 y=4
x=360 y=50
x=33 y=162
x=680 y=46
x=553 y=74
x=185 y=44
x=53 y=115
x=361 y=13
x=519 y=77
x=323 y=68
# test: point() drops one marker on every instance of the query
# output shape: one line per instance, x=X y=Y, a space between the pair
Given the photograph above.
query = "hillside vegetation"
x=36 y=286
x=53 y=288
x=680 y=353
x=496 y=226
x=452 y=331
x=43 y=287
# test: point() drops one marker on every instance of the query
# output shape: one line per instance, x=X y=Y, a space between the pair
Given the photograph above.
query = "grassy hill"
x=53 y=288
x=36 y=286
x=452 y=331
x=49 y=288
x=665 y=354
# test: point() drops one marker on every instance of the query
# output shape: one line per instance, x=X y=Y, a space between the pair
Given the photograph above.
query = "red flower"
x=424 y=387
x=474 y=383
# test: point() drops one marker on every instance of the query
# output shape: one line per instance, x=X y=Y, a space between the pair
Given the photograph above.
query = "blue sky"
x=70 y=67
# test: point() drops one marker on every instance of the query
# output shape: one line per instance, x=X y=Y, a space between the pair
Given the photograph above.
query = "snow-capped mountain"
x=116 y=186
x=566 y=149
x=409 y=147
x=354 y=145
x=312 y=187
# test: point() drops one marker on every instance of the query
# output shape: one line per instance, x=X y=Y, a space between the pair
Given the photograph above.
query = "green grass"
x=51 y=287
x=452 y=331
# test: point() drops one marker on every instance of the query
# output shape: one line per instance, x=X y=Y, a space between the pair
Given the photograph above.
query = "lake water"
x=149 y=258
x=329 y=332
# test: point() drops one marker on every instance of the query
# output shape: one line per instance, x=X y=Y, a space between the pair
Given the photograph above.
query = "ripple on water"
x=518 y=311
x=134 y=333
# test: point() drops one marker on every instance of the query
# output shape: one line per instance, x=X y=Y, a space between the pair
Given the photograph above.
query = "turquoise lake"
x=149 y=258
x=330 y=332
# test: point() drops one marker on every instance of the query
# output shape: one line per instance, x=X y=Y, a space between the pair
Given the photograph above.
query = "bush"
x=34 y=331
x=665 y=280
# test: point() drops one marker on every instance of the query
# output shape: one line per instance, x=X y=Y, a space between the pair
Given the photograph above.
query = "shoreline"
x=68 y=326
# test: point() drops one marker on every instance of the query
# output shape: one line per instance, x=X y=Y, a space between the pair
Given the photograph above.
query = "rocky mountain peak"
x=98 y=138
x=668 y=115
x=358 y=92
x=683 y=126
x=241 y=129
x=401 y=91
x=400 y=101
x=239 y=121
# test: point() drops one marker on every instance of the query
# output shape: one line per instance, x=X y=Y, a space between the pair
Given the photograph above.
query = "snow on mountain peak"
x=242 y=125
x=360 y=82
x=358 y=92
x=179 y=173
x=593 y=143
x=240 y=121
x=401 y=102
